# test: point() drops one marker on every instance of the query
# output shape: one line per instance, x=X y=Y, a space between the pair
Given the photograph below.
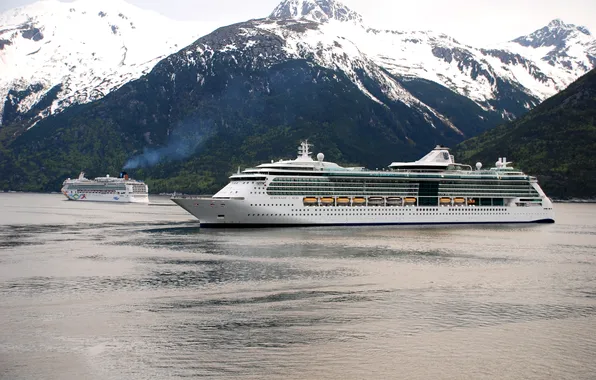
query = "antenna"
x=303 y=149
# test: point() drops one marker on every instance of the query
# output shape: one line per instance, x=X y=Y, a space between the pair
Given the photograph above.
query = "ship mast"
x=304 y=149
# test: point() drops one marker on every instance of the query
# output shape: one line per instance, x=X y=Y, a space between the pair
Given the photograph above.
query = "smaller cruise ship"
x=106 y=189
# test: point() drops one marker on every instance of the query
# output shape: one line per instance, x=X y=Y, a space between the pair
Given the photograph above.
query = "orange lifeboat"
x=358 y=201
x=343 y=201
x=445 y=201
x=309 y=201
x=327 y=201
x=409 y=201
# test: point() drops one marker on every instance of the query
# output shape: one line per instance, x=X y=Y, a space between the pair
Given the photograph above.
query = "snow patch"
x=74 y=44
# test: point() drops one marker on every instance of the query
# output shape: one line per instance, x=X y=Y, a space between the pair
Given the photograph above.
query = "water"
x=111 y=291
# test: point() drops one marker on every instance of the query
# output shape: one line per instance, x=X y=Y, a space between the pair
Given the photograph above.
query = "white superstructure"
x=106 y=189
x=432 y=190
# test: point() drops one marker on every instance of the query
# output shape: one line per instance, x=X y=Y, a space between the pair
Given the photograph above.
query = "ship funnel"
x=123 y=175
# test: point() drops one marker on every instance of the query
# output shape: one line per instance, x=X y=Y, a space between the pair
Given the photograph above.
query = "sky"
x=475 y=22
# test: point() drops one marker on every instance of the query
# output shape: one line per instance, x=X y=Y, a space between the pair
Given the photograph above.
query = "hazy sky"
x=469 y=21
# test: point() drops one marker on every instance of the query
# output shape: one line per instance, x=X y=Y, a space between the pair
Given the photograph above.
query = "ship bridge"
x=438 y=159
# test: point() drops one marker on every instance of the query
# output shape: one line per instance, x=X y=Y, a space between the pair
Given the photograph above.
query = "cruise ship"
x=106 y=189
x=432 y=190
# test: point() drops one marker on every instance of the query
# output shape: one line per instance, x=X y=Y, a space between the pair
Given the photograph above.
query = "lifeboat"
x=358 y=201
x=327 y=201
x=309 y=201
x=410 y=201
x=394 y=201
x=375 y=201
x=343 y=201
x=445 y=201
x=471 y=201
x=459 y=201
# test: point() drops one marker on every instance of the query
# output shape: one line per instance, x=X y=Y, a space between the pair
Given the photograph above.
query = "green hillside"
x=555 y=142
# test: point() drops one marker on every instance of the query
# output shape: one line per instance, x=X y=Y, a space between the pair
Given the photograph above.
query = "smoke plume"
x=184 y=141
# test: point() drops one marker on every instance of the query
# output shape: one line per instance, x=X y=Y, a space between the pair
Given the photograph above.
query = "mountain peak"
x=555 y=34
x=557 y=23
x=315 y=10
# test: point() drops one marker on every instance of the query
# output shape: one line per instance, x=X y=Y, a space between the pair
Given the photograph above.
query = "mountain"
x=55 y=54
x=555 y=141
x=315 y=10
x=509 y=78
x=250 y=91
x=58 y=54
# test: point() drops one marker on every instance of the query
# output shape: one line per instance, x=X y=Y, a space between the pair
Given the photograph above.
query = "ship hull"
x=237 y=213
x=120 y=198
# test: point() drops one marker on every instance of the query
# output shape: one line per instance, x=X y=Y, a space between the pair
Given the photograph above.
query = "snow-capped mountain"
x=315 y=10
x=320 y=43
x=54 y=54
x=538 y=65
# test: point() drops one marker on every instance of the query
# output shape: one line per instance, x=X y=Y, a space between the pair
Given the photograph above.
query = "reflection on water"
x=103 y=291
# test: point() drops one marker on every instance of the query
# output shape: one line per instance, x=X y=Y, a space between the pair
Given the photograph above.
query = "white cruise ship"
x=106 y=189
x=432 y=190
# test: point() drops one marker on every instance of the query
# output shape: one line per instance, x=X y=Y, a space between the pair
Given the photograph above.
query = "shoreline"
x=555 y=200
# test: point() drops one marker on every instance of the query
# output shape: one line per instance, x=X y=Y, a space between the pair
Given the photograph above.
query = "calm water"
x=108 y=291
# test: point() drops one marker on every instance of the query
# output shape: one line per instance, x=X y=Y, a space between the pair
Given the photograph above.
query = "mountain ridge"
x=315 y=10
x=555 y=141
x=508 y=78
